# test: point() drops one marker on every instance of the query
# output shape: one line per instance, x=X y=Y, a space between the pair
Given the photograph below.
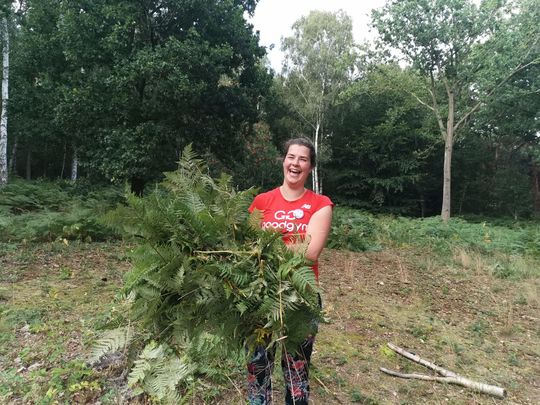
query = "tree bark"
x=74 y=166
x=315 y=173
x=12 y=167
x=536 y=187
x=448 y=148
x=63 y=161
x=29 y=165
x=5 y=98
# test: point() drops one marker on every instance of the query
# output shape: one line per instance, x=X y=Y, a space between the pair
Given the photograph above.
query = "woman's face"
x=297 y=165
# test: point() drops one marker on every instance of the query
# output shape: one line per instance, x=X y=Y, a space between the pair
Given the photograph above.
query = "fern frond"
x=111 y=341
x=303 y=280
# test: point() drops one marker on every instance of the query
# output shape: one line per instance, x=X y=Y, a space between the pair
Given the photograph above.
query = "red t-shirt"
x=290 y=217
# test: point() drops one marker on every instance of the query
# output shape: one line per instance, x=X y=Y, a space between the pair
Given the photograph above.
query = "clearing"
x=453 y=312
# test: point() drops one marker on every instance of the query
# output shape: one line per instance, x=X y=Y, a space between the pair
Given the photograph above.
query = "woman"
x=299 y=214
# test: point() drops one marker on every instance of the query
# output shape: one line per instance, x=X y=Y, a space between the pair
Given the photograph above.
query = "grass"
x=455 y=300
x=48 y=309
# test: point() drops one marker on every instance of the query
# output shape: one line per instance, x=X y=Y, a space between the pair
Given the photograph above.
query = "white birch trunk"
x=74 y=166
x=3 y=113
x=315 y=173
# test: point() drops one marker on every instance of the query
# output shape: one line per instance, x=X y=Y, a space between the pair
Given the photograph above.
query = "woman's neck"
x=290 y=193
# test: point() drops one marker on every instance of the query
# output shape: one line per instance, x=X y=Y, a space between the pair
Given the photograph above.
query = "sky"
x=274 y=18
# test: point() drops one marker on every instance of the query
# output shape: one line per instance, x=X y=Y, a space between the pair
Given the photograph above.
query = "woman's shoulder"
x=267 y=194
x=318 y=200
x=261 y=200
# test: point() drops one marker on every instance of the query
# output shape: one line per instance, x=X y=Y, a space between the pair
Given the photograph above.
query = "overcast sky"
x=274 y=18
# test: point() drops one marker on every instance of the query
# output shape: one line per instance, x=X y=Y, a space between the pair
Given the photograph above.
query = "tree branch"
x=449 y=377
x=518 y=69
x=421 y=101
x=436 y=106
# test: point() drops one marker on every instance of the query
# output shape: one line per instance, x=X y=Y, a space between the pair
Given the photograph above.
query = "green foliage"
x=11 y=381
x=158 y=370
x=353 y=230
x=205 y=276
x=521 y=238
x=111 y=341
x=320 y=61
x=43 y=210
x=356 y=396
x=383 y=144
x=261 y=164
x=15 y=318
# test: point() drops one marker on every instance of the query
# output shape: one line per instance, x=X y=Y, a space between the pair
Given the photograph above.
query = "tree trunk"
x=12 y=167
x=5 y=97
x=74 y=166
x=536 y=187
x=29 y=165
x=447 y=173
x=137 y=186
x=448 y=148
x=315 y=173
x=63 y=161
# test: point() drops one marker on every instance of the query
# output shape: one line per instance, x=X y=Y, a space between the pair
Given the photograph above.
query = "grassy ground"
x=455 y=311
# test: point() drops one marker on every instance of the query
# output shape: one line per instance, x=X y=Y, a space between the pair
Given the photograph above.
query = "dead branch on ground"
x=448 y=377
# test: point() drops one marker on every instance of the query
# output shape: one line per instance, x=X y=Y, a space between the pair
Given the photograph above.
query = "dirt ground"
x=454 y=314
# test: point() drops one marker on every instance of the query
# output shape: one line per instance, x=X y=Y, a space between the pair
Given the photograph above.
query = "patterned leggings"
x=295 y=368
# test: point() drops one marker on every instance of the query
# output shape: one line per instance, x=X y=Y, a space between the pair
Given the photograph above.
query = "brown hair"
x=302 y=142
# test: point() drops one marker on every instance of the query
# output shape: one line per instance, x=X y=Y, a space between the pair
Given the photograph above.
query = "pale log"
x=449 y=377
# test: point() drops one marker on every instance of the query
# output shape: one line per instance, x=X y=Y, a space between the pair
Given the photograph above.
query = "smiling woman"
x=301 y=216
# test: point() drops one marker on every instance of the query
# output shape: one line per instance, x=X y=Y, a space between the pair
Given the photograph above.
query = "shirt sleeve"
x=257 y=203
x=323 y=201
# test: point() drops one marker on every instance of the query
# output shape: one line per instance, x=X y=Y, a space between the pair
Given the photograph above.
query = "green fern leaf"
x=111 y=341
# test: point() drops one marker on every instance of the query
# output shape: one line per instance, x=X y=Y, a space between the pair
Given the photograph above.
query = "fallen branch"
x=449 y=377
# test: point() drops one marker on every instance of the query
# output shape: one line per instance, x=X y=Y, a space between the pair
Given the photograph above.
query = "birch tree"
x=443 y=40
x=319 y=62
x=5 y=97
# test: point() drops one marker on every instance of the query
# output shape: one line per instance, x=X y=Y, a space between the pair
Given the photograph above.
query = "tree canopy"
x=113 y=90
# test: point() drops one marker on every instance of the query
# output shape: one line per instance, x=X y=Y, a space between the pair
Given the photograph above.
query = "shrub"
x=353 y=230
x=44 y=211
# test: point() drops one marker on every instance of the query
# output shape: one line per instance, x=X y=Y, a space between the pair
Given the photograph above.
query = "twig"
x=449 y=377
x=322 y=385
x=235 y=386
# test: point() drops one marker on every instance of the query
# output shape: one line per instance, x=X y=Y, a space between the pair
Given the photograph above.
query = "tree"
x=4 y=30
x=122 y=86
x=159 y=75
x=319 y=62
x=39 y=74
x=5 y=97
x=443 y=40
x=382 y=144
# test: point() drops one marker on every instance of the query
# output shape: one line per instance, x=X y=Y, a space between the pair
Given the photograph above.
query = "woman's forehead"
x=300 y=150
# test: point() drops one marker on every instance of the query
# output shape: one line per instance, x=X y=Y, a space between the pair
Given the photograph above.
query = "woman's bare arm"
x=317 y=231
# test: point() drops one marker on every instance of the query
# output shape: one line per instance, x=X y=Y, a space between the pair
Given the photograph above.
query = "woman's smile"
x=297 y=165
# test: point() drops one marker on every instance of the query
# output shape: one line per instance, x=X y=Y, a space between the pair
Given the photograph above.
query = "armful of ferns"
x=203 y=265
